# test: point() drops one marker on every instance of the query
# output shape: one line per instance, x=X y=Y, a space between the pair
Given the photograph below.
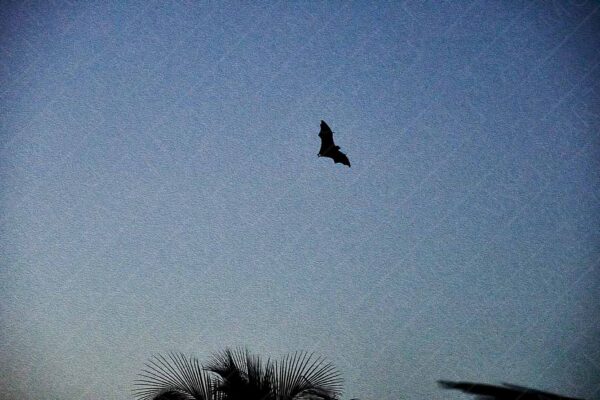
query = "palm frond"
x=242 y=375
x=171 y=395
x=302 y=376
x=238 y=375
x=260 y=376
x=174 y=376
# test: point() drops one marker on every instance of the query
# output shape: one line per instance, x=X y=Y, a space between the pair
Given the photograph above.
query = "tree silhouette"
x=238 y=375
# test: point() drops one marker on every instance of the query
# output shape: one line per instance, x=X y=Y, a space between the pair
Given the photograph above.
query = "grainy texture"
x=160 y=191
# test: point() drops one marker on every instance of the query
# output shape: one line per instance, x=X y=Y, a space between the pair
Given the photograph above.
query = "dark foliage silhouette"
x=242 y=376
x=328 y=147
x=238 y=375
x=504 y=392
x=171 y=395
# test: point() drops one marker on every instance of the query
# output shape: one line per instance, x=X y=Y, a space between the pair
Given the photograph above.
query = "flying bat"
x=505 y=392
x=328 y=148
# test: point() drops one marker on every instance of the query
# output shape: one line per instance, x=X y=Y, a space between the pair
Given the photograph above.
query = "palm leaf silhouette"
x=301 y=376
x=171 y=395
x=242 y=375
x=238 y=375
x=174 y=378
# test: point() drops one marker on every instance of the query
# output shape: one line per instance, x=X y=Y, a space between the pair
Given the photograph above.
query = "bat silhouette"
x=328 y=148
x=505 y=392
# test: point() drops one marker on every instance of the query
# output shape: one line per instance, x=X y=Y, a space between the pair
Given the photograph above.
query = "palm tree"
x=238 y=375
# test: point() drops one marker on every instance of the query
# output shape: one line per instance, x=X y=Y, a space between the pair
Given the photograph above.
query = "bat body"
x=505 y=392
x=328 y=147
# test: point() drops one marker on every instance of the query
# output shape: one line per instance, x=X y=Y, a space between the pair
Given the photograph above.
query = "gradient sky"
x=160 y=190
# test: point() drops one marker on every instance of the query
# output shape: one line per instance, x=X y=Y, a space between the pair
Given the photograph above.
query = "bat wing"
x=326 y=136
x=338 y=156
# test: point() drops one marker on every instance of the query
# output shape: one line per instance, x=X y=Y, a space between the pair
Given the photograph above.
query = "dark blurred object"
x=504 y=392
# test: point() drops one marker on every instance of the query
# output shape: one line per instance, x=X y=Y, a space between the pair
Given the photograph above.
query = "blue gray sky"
x=160 y=190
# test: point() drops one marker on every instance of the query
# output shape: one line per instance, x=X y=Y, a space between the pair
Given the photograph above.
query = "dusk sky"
x=160 y=191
